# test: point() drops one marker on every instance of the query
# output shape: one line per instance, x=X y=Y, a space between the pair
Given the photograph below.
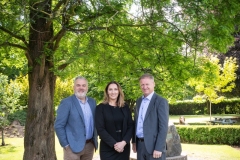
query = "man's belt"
x=88 y=140
x=140 y=139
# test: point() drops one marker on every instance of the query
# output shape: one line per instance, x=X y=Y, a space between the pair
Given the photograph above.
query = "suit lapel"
x=78 y=107
x=91 y=106
x=151 y=105
x=139 y=101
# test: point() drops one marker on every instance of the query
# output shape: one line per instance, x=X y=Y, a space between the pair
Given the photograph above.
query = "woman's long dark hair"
x=120 y=98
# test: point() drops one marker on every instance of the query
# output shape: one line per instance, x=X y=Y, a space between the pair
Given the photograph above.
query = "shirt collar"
x=149 y=97
x=80 y=100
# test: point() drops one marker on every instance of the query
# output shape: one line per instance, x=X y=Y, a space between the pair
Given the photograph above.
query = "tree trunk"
x=39 y=140
x=210 y=110
x=131 y=104
x=3 y=142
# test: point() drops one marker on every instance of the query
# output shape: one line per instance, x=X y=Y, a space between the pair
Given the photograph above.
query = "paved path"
x=96 y=157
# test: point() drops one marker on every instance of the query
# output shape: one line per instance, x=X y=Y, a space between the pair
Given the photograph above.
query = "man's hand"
x=157 y=154
x=134 y=147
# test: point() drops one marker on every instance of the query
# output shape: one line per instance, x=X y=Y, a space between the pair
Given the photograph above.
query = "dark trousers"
x=142 y=153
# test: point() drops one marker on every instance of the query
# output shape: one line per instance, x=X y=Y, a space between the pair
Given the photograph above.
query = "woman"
x=114 y=124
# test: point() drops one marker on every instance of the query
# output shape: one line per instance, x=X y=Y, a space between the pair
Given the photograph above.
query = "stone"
x=174 y=147
x=15 y=123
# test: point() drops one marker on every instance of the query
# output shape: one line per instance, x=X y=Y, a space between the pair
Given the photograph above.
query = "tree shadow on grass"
x=7 y=148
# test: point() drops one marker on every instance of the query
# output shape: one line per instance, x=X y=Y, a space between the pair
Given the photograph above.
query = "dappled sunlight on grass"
x=13 y=150
x=210 y=152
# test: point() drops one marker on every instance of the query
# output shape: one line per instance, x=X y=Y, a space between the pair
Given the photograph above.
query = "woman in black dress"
x=114 y=124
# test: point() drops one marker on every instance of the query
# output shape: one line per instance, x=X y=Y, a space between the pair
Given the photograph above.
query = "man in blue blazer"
x=151 y=122
x=74 y=123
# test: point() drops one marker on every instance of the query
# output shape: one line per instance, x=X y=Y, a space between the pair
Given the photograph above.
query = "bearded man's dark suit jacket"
x=155 y=125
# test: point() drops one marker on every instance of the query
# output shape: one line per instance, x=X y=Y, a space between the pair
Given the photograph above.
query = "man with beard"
x=74 y=123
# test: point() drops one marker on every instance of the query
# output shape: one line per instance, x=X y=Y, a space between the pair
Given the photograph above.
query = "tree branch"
x=14 y=45
x=57 y=38
x=14 y=35
x=58 y=5
x=64 y=65
x=70 y=28
x=20 y=47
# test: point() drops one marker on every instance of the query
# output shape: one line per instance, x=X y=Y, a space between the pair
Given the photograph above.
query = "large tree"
x=112 y=42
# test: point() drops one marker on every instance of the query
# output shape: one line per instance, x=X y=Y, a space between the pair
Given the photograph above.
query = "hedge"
x=210 y=134
x=190 y=107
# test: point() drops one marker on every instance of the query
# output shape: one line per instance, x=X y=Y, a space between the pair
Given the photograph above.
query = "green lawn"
x=210 y=152
x=15 y=148
x=14 y=151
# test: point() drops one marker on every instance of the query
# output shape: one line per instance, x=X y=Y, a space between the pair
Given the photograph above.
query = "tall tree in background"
x=216 y=80
x=160 y=37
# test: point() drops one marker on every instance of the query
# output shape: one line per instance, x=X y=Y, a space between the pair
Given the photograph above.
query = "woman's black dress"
x=107 y=152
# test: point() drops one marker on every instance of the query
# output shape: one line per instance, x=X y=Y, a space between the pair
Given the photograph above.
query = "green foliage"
x=19 y=115
x=191 y=107
x=216 y=80
x=9 y=98
x=64 y=88
x=211 y=20
x=22 y=83
x=107 y=41
x=209 y=134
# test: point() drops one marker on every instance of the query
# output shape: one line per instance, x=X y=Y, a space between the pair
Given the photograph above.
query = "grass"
x=210 y=152
x=14 y=151
x=15 y=148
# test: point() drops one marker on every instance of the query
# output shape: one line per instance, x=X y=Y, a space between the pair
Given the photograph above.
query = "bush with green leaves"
x=9 y=99
x=19 y=115
x=217 y=134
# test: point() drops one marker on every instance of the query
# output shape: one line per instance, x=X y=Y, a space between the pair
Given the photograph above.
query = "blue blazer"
x=155 y=125
x=69 y=124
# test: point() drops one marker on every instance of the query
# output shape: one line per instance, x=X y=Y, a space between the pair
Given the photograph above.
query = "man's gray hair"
x=80 y=77
x=146 y=75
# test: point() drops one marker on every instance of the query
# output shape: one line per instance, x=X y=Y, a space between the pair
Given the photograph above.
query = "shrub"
x=228 y=134
x=19 y=115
